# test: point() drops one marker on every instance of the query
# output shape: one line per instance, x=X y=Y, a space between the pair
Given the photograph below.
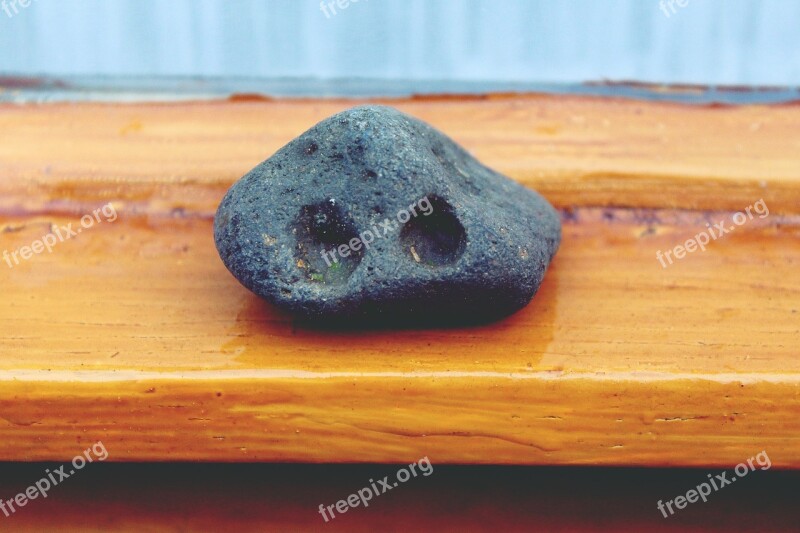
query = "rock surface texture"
x=372 y=215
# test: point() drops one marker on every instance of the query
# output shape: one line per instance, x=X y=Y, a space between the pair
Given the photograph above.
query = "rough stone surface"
x=452 y=240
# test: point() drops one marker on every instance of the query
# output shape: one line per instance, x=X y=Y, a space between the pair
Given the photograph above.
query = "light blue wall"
x=708 y=41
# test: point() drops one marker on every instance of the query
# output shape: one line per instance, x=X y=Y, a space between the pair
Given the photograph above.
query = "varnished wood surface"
x=577 y=151
x=133 y=332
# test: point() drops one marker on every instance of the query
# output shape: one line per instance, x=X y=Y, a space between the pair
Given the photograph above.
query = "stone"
x=374 y=216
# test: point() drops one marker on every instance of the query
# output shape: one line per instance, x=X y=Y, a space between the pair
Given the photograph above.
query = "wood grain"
x=133 y=332
x=577 y=151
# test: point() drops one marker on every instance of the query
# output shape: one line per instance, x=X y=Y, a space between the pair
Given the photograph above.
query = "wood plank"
x=134 y=334
x=578 y=151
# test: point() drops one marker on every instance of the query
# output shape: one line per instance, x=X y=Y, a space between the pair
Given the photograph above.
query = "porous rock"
x=373 y=215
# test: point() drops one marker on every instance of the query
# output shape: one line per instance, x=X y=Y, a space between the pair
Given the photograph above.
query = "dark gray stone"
x=452 y=241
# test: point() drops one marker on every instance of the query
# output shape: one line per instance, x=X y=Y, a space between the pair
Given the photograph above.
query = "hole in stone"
x=323 y=252
x=311 y=148
x=436 y=239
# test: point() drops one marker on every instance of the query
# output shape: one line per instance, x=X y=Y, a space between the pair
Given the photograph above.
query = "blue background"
x=754 y=42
